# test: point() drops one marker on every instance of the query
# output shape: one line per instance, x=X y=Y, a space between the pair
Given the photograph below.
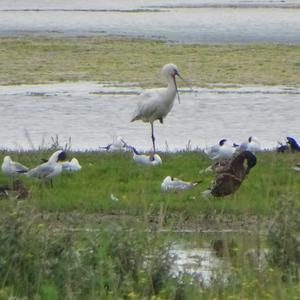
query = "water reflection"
x=210 y=262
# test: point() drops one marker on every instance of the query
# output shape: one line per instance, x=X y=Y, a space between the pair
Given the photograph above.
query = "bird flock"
x=47 y=170
x=228 y=158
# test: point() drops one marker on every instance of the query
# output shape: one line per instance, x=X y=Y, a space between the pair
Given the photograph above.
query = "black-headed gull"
x=175 y=184
x=143 y=159
x=117 y=145
x=293 y=144
x=49 y=169
x=223 y=150
x=12 y=168
x=252 y=145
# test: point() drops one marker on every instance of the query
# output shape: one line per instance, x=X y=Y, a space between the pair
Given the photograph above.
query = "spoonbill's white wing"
x=151 y=107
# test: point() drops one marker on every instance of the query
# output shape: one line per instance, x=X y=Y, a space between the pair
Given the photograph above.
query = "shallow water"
x=200 y=263
x=208 y=21
x=93 y=114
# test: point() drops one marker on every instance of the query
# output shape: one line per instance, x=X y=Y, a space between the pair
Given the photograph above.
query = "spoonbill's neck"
x=171 y=81
x=172 y=88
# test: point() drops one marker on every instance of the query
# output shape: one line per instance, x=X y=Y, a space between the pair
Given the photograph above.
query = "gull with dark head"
x=252 y=145
x=222 y=151
x=117 y=145
x=157 y=103
x=292 y=143
x=144 y=159
x=49 y=169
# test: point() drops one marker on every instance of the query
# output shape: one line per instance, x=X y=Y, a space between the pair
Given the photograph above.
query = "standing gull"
x=252 y=145
x=224 y=150
x=157 y=103
x=49 y=169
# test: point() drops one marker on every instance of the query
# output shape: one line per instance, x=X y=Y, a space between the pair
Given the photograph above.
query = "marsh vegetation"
x=107 y=230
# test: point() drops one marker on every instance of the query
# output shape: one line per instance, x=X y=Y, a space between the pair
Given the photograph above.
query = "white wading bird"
x=143 y=159
x=157 y=103
x=49 y=169
x=175 y=184
x=12 y=168
x=72 y=165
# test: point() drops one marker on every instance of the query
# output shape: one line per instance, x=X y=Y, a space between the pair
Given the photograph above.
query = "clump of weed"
x=56 y=144
x=284 y=240
x=38 y=262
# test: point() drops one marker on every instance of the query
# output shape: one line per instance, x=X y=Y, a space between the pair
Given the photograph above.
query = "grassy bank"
x=46 y=253
x=106 y=176
x=42 y=60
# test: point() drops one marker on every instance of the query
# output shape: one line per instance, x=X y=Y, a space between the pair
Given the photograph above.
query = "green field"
x=138 y=187
x=78 y=216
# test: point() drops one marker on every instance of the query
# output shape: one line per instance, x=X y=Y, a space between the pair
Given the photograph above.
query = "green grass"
x=43 y=59
x=138 y=187
x=54 y=258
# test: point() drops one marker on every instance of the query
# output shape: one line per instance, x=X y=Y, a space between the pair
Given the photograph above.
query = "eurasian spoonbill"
x=157 y=103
